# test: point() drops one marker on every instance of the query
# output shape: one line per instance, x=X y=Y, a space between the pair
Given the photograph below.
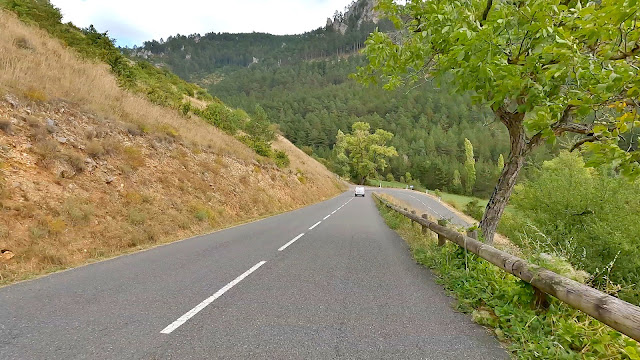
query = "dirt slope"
x=89 y=171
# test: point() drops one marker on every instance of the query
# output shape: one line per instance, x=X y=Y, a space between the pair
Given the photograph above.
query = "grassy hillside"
x=90 y=170
x=303 y=84
x=158 y=85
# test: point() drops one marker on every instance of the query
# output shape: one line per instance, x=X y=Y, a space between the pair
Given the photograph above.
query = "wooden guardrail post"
x=441 y=238
x=472 y=234
x=424 y=227
x=617 y=313
x=541 y=300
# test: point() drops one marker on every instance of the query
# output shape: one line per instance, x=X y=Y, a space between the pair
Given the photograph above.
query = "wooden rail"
x=618 y=314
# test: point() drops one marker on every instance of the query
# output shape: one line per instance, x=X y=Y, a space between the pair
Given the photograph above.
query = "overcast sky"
x=133 y=21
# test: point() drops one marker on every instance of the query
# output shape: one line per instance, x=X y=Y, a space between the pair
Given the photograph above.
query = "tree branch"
x=624 y=55
x=485 y=14
x=592 y=138
x=561 y=126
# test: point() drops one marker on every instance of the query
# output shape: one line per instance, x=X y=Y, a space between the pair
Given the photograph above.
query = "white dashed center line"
x=176 y=324
x=314 y=225
x=326 y=217
x=291 y=242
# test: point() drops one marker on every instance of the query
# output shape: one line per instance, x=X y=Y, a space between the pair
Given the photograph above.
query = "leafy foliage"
x=469 y=166
x=365 y=153
x=312 y=101
x=545 y=67
x=590 y=218
x=503 y=302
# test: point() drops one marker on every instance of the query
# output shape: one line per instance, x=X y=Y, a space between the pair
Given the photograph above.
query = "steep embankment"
x=88 y=170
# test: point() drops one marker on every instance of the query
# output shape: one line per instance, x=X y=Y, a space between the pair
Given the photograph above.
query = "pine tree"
x=456 y=182
x=470 y=166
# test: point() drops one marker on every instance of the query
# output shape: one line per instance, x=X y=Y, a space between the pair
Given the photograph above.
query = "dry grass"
x=139 y=175
x=28 y=71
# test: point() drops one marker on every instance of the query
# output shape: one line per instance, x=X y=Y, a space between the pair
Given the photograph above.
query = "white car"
x=360 y=191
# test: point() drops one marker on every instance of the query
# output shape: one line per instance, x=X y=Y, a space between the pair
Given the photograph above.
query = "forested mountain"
x=302 y=82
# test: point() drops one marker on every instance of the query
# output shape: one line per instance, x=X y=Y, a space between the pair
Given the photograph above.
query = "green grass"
x=393 y=184
x=460 y=201
x=502 y=302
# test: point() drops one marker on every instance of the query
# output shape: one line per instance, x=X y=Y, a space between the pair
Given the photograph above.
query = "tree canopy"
x=545 y=67
x=366 y=153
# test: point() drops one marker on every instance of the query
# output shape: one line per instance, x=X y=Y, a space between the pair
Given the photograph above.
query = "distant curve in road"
x=422 y=201
x=329 y=281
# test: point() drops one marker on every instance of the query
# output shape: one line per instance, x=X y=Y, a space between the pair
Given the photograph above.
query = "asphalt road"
x=346 y=289
x=422 y=201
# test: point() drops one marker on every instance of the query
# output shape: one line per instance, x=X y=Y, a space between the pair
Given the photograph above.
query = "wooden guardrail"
x=618 y=314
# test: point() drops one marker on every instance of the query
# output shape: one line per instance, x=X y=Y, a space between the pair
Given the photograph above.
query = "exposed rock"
x=91 y=164
x=51 y=126
x=61 y=139
x=109 y=179
x=12 y=101
x=6 y=254
x=5 y=125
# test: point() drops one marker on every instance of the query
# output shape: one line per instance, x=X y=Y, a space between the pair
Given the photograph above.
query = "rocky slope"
x=89 y=171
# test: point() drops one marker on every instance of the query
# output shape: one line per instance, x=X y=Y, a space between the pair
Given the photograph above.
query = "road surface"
x=329 y=281
x=424 y=202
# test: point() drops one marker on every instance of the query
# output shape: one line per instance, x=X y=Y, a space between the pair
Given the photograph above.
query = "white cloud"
x=134 y=21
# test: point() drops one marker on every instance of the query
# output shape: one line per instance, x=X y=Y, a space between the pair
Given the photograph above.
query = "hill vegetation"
x=90 y=169
x=312 y=97
x=160 y=86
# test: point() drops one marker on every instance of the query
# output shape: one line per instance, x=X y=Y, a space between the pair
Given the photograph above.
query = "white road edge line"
x=290 y=242
x=326 y=217
x=314 y=225
x=176 y=324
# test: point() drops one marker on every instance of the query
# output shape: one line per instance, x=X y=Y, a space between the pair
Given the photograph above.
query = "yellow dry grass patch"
x=116 y=173
x=43 y=69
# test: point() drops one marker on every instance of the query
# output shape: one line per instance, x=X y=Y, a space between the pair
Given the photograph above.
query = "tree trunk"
x=506 y=182
x=500 y=197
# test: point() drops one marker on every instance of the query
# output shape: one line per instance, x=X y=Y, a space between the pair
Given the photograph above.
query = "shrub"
x=202 y=212
x=76 y=161
x=111 y=146
x=137 y=216
x=47 y=150
x=35 y=95
x=133 y=157
x=95 y=150
x=78 y=211
x=281 y=159
x=23 y=43
x=56 y=226
x=37 y=232
x=501 y=301
x=590 y=216
x=390 y=177
x=473 y=209
x=5 y=126
x=307 y=150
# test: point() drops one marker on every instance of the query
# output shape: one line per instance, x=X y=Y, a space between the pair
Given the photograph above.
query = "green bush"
x=589 y=217
x=499 y=300
x=474 y=209
x=281 y=159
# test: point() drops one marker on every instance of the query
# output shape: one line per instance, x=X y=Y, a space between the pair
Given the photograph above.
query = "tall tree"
x=367 y=153
x=469 y=166
x=545 y=67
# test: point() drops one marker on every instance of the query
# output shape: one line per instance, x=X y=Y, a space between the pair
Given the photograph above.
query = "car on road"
x=359 y=191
